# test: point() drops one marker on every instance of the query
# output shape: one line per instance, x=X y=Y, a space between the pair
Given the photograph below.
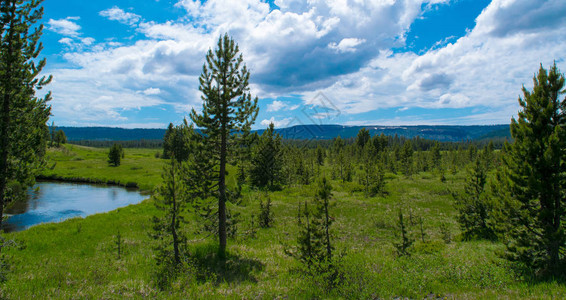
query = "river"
x=57 y=201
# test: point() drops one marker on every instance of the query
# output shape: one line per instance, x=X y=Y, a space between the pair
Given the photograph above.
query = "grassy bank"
x=84 y=164
x=78 y=258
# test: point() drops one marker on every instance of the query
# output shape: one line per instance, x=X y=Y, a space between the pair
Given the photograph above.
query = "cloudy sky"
x=130 y=63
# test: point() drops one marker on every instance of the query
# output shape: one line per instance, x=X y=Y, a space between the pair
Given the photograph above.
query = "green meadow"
x=78 y=258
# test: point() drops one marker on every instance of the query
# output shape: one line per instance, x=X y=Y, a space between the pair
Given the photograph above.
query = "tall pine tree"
x=228 y=112
x=533 y=179
x=23 y=116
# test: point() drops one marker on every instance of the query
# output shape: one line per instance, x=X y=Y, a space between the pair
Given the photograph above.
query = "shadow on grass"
x=211 y=267
x=554 y=275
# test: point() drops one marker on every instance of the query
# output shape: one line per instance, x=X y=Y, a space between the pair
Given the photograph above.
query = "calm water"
x=55 y=202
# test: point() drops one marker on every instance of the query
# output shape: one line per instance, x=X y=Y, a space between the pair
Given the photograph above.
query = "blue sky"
x=135 y=64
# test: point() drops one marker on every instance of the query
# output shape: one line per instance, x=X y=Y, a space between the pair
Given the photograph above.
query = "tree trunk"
x=328 y=248
x=174 y=217
x=4 y=153
x=222 y=194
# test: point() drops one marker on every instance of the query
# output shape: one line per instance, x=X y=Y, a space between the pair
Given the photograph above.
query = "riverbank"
x=71 y=163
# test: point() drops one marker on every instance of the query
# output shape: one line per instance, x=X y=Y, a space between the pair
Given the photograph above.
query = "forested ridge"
x=300 y=132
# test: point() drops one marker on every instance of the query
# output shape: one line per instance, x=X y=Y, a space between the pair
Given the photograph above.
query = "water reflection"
x=55 y=202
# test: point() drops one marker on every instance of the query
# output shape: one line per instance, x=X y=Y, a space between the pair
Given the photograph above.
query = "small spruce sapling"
x=265 y=214
x=314 y=240
x=445 y=233
x=423 y=234
x=406 y=241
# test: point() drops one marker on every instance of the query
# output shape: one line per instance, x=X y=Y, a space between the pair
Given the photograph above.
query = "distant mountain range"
x=444 y=133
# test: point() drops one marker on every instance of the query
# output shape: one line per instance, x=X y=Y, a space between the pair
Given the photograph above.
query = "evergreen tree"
x=474 y=207
x=314 y=239
x=338 y=157
x=228 y=110
x=171 y=198
x=322 y=197
x=267 y=159
x=115 y=154
x=176 y=141
x=52 y=132
x=406 y=158
x=362 y=138
x=435 y=156
x=488 y=156
x=320 y=155
x=406 y=241
x=60 y=138
x=265 y=212
x=243 y=156
x=167 y=141
x=23 y=116
x=372 y=177
x=380 y=142
x=533 y=179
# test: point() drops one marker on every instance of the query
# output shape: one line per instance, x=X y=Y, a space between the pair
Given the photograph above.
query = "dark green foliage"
x=314 y=244
x=265 y=213
x=532 y=182
x=474 y=206
x=56 y=137
x=171 y=198
x=445 y=233
x=380 y=142
x=167 y=141
x=146 y=144
x=320 y=155
x=23 y=116
x=60 y=138
x=342 y=166
x=423 y=234
x=52 y=132
x=115 y=155
x=4 y=260
x=177 y=140
x=15 y=192
x=435 y=157
x=227 y=115
x=241 y=174
x=405 y=243
x=267 y=160
x=363 y=138
x=472 y=152
x=373 y=175
x=406 y=158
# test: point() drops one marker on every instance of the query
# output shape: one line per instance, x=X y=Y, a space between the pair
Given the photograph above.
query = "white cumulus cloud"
x=117 y=14
x=286 y=122
x=346 y=45
x=343 y=49
x=65 y=27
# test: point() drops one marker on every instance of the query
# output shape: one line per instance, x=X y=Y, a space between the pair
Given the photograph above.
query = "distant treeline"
x=111 y=134
x=308 y=132
x=150 y=144
x=418 y=143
